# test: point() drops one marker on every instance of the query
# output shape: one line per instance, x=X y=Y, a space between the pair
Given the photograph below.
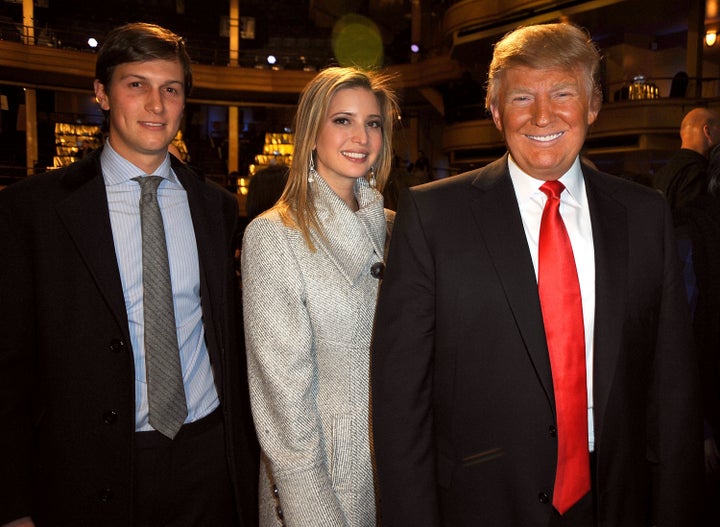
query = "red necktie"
x=561 y=305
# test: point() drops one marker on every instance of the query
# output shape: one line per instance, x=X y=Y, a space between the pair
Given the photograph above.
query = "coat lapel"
x=85 y=215
x=350 y=238
x=497 y=215
x=610 y=238
x=209 y=233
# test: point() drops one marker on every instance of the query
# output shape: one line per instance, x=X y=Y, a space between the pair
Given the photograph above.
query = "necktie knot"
x=552 y=189
x=148 y=185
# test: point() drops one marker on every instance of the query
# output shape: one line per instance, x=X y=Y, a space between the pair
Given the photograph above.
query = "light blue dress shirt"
x=123 y=195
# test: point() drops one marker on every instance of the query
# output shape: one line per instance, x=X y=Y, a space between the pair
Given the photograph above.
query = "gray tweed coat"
x=308 y=323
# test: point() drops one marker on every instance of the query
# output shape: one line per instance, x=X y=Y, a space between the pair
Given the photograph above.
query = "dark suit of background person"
x=685 y=175
x=462 y=391
x=698 y=228
x=69 y=447
x=266 y=186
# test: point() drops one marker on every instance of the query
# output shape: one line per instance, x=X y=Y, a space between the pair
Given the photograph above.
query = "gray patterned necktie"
x=166 y=393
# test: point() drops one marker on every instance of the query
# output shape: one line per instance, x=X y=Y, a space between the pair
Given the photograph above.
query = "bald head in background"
x=700 y=130
x=685 y=175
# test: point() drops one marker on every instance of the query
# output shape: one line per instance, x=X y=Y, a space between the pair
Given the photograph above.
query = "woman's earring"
x=371 y=178
x=311 y=171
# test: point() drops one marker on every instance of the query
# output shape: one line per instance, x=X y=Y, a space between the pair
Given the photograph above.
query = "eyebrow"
x=557 y=87
x=354 y=114
x=138 y=76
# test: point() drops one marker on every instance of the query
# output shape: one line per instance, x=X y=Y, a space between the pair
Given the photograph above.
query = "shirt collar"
x=117 y=170
x=528 y=188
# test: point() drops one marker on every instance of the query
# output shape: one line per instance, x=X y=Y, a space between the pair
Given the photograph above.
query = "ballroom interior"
x=253 y=57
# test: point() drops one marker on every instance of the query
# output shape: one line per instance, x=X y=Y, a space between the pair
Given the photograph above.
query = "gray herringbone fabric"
x=166 y=393
x=308 y=323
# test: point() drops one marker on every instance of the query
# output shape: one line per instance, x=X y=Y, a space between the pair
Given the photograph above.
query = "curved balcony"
x=63 y=69
x=469 y=20
x=629 y=137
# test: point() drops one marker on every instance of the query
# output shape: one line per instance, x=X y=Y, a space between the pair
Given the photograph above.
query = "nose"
x=541 y=112
x=154 y=102
x=360 y=134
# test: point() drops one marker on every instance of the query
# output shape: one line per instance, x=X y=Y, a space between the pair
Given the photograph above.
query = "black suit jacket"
x=463 y=405
x=67 y=403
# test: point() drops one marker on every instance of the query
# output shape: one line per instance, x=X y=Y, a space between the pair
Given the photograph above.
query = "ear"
x=593 y=108
x=497 y=117
x=101 y=96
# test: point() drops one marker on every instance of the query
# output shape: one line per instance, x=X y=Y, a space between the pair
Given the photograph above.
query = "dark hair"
x=140 y=42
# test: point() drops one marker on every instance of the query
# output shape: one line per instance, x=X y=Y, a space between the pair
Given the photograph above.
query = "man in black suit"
x=466 y=378
x=685 y=175
x=79 y=444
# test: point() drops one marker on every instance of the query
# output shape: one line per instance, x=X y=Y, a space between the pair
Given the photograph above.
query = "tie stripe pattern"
x=561 y=303
x=166 y=393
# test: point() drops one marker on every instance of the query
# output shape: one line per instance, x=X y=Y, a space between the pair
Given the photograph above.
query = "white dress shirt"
x=123 y=195
x=576 y=216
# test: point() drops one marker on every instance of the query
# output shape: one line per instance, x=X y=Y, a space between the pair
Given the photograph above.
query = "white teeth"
x=354 y=155
x=545 y=138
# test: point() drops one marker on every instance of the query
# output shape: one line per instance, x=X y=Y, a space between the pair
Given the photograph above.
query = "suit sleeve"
x=401 y=376
x=281 y=366
x=17 y=342
x=675 y=417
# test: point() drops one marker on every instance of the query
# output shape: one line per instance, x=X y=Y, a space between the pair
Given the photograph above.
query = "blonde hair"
x=296 y=206
x=545 y=46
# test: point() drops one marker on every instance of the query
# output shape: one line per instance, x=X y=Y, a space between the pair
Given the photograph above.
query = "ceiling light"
x=710 y=38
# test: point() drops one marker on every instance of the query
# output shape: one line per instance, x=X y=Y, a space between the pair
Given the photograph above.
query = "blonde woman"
x=311 y=267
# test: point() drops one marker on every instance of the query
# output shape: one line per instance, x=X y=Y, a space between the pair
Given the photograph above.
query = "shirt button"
x=106 y=495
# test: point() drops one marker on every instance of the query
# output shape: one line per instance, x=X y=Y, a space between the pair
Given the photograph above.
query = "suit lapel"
x=610 y=238
x=498 y=217
x=86 y=217
x=209 y=238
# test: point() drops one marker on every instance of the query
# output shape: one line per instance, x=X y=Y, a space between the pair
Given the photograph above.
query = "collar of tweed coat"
x=353 y=240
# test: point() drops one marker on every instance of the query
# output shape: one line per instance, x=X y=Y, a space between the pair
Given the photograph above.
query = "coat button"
x=110 y=417
x=544 y=497
x=275 y=491
x=552 y=431
x=106 y=495
x=279 y=512
x=117 y=345
x=377 y=270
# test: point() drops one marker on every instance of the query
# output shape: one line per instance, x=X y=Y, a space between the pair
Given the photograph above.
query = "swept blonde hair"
x=296 y=206
x=545 y=46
